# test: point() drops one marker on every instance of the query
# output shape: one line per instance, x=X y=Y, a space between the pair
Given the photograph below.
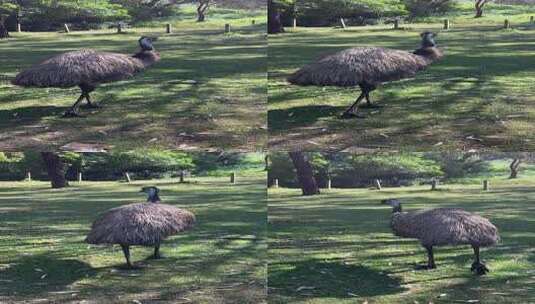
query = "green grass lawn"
x=480 y=96
x=207 y=92
x=337 y=247
x=222 y=260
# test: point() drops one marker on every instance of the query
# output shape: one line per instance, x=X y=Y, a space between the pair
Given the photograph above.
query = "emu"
x=444 y=226
x=145 y=224
x=86 y=69
x=367 y=67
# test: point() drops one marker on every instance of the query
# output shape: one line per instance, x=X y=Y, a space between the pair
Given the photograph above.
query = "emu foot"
x=71 y=113
x=371 y=106
x=155 y=257
x=92 y=106
x=129 y=267
x=479 y=268
x=349 y=115
x=425 y=267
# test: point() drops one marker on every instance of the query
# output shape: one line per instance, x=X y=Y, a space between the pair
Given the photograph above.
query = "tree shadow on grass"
x=28 y=114
x=41 y=274
x=280 y=120
x=331 y=279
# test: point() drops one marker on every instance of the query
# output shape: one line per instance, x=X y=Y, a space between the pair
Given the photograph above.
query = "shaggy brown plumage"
x=351 y=67
x=145 y=224
x=367 y=67
x=87 y=69
x=82 y=67
x=444 y=226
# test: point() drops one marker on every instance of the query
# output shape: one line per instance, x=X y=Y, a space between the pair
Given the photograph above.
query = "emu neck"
x=147 y=58
x=154 y=199
x=429 y=53
x=396 y=209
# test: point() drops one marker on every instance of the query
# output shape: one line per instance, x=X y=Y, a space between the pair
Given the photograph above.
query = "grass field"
x=478 y=97
x=207 y=92
x=43 y=258
x=337 y=247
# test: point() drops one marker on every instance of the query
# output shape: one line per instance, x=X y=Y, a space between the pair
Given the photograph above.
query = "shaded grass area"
x=222 y=260
x=478 y=97
x=338 y=247
x=208 y=91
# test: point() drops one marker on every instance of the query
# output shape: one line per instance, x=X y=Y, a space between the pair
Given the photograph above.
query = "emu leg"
x=73 y=110
x=430 y=258
x=157 y=252
x=477 y=266
x=126 y=251
x=90 y=104
x=351 y=111
x=369 y=104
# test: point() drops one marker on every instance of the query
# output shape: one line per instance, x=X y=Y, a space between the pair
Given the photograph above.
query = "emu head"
x=146 y=43
x=394 y=203
x=152 y=193
x=428 y=39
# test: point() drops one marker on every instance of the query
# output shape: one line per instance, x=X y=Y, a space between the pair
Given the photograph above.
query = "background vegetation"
x=346 y=170
x=141 y=164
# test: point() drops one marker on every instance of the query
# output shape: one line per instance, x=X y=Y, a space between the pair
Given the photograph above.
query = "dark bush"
x=424 y=8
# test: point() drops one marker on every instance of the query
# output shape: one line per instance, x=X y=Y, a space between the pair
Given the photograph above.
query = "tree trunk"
x=55 y=168
x=274 y=19
x=201 y=10
x=3 y=29
x=304 y=173
x=514 y=166
x=479 y=8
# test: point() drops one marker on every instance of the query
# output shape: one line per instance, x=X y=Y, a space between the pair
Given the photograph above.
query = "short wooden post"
x=329 y=184
x=233 y=177
x=29 y=176
x=294 y=23
x=19 y=27
x=66 y=27
x=182 y=173
x=79 y=177
x=377 y=184
x=168 y=28
x=119 y=28
x=396 y=24
x=434 y=184
x=506 y=24
x=127 y=176
x=343 y=23
x=486 y=185
x=446 y=24
x=531 y=19
x=275 y=183
x=227 y=28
